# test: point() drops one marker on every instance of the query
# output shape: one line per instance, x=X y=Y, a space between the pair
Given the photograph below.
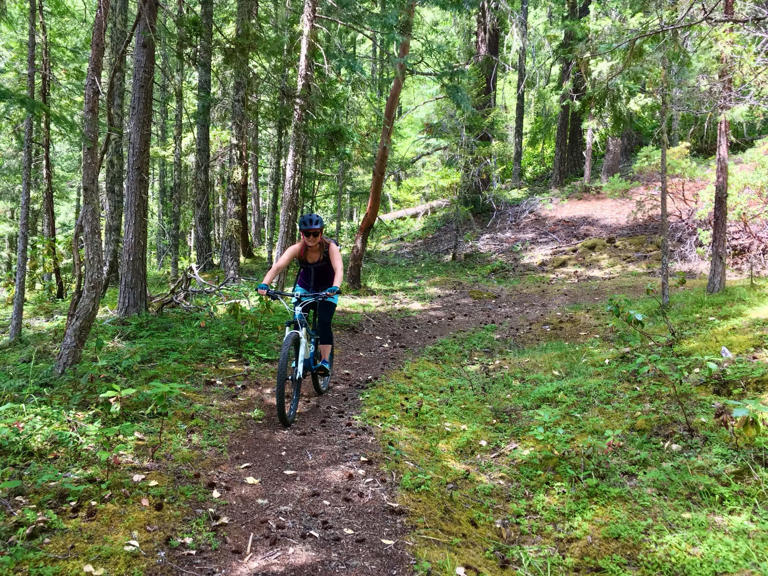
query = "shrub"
x=679 y=161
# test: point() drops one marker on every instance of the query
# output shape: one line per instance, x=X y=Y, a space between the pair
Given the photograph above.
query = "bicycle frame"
x=299 y=324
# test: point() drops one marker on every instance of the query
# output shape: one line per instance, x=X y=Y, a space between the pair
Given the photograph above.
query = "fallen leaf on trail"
x=483 y=443
x=246 y=465
x=216 y=494
x=387 y=542
x=188 y=540
x=88 y=569
x=289 y=472
x=460 y=571
x=220 y=521
x=262 y=501
x=315 y=534
x=139 y=435
x=252 y=480
x=348 y=531
x=138 y=477
x=145 y=501
x=326 y=502
x=189 y=552
x=393 y=504
x=154 y=483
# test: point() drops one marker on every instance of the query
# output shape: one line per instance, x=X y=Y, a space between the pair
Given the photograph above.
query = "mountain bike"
x=298 y=353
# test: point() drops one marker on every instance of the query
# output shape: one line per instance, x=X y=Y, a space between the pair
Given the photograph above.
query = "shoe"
x=323 y=369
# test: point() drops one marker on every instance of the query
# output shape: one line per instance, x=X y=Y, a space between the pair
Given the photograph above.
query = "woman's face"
x=312 y=237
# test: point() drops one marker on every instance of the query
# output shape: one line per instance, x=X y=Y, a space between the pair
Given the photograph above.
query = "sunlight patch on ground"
x=380 y=302
x=280 y=560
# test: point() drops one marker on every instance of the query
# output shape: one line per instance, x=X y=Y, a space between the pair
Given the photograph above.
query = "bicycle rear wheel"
x=322 y=383
x=288 y=387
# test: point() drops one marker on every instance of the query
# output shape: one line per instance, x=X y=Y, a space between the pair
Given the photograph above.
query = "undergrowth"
x=98 y=467
x=575 y=456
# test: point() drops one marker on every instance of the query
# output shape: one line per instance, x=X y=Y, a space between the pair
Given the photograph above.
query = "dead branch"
x=182 y=291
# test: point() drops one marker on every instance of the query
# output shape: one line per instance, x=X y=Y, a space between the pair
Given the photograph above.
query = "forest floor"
x=165 y=459
x=323 y=504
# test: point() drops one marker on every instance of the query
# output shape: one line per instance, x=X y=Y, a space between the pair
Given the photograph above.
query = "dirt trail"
x=323 y=504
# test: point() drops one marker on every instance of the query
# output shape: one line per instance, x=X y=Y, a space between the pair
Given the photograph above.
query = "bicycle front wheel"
x=288 y=387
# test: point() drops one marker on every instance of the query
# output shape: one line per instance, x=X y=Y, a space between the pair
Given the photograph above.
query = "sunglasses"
x=311 y=233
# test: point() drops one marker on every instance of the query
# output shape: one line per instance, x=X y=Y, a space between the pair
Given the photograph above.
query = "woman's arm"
x=280 y=265
x=338 y=265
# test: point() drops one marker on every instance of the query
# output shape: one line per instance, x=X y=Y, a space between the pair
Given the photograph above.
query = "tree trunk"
x=716 y=281
x=203 y=248
x=664 y=231
x=340 y=197
x=114 y=180
x=26 y=183
x=612 y=158
x=161 y=232
x=561 y=135
x=235 y=237
x=274 y=184
x=49 y=216
x=178 y=135
x=277 y=152
x=132 y=298
x=84 y=306
x=574 y=162
x=479 y=168
x=569 y=138
x=257 y=220
x=517 y=159
x=588 y=151
x=380 y=164
x=289 y=208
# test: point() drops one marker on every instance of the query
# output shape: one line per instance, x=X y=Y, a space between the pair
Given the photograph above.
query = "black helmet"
x=311 y=222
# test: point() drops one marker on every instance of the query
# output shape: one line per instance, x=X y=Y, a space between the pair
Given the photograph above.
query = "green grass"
x=152 y=394
x=571 y=457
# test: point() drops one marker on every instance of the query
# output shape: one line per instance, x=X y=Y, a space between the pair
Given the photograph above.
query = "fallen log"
x=415 y=211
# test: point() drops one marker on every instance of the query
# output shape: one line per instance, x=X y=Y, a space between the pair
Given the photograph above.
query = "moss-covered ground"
x=572 y=453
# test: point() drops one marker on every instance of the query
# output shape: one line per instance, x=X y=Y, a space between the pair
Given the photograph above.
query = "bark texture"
x=235 y=237
x=163 y=190
x=290 y=205
x=280 y=124
x=517 y=158
x=478 y=171
x=382 y=155
x=203 y=248
x=85 y=305
x=569 y=138
x=114 y=180
x=716 y=280
x=22 y=244
x=49 y=215
x=664 y=231
x=178 y=126
x=132 y=298
x=612 y=158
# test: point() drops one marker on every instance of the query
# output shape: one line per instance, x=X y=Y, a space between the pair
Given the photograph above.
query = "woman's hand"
x=262 y=288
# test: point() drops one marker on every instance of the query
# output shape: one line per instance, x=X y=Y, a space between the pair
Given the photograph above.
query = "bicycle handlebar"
x=300 y=295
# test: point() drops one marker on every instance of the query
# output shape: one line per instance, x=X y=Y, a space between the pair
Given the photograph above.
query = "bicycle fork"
x=305 y=351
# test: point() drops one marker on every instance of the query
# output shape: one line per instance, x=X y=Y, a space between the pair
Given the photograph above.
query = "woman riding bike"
x=320 y=270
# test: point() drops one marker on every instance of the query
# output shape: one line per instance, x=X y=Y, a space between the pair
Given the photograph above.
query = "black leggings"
x=324 y=311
